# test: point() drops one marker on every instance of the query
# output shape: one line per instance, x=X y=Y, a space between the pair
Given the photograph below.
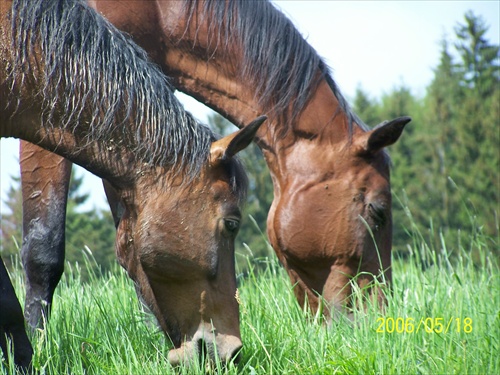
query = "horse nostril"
x=235 y=356
x=207 y=349
x=201 y=348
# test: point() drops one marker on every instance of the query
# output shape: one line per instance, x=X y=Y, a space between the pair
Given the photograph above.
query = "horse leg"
x=45 y=183
x=12 y=323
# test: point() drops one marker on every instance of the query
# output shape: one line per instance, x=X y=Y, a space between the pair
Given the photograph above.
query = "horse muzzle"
x=206 y=344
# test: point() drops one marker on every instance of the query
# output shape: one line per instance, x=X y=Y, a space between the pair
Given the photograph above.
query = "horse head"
x=335 y=221
x=177 y=244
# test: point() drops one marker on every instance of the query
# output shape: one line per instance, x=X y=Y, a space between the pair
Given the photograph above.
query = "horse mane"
x=90 y=67
x=276 y=57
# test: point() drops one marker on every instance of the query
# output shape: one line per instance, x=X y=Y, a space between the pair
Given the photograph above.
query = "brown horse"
x=104 y=106
x=331 y=215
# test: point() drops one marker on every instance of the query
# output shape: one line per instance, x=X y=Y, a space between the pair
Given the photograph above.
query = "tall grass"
x=443 y=317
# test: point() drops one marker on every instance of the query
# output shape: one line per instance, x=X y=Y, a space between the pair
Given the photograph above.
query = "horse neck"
x=103 y=159
x=159 y=28
x=320 y=135
x=322 y=121
x=212 y=74
x=107 y=161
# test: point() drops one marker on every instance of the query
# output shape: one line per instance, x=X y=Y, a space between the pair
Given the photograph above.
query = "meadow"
x=443 y=317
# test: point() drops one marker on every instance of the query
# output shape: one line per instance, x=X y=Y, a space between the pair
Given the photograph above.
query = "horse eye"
x=232 y=225
x=377 y=213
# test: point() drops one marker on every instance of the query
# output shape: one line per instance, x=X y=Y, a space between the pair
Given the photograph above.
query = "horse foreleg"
x=45 y=183
x=12 y=323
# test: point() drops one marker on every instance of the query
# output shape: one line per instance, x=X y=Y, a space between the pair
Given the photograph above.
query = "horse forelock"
x=88 y=65
x=282 y=67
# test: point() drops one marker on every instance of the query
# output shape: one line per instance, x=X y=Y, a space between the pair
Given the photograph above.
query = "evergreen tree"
x=75 y=197
x=447 y=163
x=440 y=114
x=480 y=60
x=478 y=121
x=453 y=180
x=88 y=231
x=11 y=223
x=93 y=229
x=470 y=136
x=366 y=108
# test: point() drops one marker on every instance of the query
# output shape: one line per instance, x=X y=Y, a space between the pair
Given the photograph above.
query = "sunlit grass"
x=443 y=317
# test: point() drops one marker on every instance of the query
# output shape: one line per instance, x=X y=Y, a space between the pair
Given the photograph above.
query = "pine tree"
x=366 y=108
x=446 y=164
x=480 y=59
x=11 y=223
x=93 y=229
x=462 y=134
x=441 y=114
x=476 y=157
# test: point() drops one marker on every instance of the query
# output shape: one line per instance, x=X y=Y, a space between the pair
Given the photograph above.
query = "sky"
x=375 y=45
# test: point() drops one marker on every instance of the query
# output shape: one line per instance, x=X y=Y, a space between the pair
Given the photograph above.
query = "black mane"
x=282 y=67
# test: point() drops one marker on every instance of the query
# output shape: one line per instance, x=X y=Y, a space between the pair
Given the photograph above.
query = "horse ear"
x=383 y=135
x=225 y=148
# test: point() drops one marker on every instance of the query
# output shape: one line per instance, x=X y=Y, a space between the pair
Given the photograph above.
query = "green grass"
x=98 y=327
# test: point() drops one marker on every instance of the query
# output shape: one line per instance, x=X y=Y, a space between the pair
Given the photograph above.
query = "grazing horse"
x=74 y=85
x=330 y=219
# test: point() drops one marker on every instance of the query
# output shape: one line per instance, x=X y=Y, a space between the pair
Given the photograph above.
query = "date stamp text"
x=427 y=325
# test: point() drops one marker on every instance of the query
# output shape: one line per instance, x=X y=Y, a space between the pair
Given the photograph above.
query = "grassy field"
x=444 y=319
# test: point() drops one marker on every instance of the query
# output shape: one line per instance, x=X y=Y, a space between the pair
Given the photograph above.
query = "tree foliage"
x=446 y=165
x=11 y=222
x=87 y=231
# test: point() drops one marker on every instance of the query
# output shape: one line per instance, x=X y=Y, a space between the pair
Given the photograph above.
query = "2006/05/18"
x=429 y=325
